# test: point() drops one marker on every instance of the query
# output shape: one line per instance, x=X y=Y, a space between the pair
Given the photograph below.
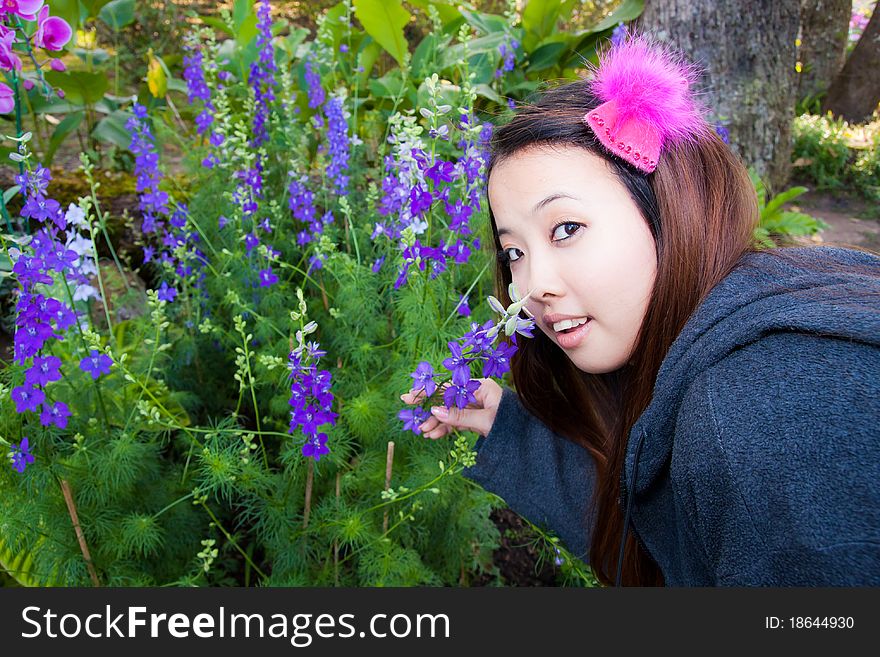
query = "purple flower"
x=462 y=308
x=339 y=147
x=167 y=293
x=461 y=392
x=43 y=371
x=441 y=172
x=457 y=362
x=40 y=208
x=250 y=242
x=316 y=447
x=267 y=277
x=377 y=264
x=56 y=414
x=412 y=418
x=313 y=82
x=618 y=35
x=498 y=360
x=424 y=378
x=27 y=398
x=96 y=364
x=21 y=455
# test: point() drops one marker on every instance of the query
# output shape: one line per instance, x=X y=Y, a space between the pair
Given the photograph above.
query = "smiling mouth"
x=570 y=325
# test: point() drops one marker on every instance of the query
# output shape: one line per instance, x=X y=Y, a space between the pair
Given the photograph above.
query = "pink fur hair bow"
x=647 y=102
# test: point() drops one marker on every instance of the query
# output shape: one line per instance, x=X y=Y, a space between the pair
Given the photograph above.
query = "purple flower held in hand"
x=412 y=418
x=21 y=455
x=424 y=378
x=457 y=362
x=167 y=293
x=461 y=392
x=96 y=364
x=498 y=360
x=56 y=414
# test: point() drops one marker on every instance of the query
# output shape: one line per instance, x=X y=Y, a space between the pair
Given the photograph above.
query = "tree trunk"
x=824 y=31
x=747 y=50
x=855 y=92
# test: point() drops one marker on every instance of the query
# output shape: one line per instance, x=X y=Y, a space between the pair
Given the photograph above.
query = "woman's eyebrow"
x=540 y=205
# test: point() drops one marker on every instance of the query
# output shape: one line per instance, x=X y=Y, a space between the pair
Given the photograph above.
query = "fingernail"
x=439 y=411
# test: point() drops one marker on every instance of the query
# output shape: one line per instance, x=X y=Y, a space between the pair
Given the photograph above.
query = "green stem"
x=172 y=505
x=233 y=541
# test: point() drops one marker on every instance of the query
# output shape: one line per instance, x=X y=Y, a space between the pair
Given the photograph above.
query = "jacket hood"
x=825 y=291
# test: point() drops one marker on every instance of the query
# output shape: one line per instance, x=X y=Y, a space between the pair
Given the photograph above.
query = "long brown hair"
x=702 y=210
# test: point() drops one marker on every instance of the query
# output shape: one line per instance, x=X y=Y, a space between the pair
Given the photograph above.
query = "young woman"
x=691 y=411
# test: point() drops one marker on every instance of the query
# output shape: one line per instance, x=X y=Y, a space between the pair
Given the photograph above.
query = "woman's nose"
x=544 y=277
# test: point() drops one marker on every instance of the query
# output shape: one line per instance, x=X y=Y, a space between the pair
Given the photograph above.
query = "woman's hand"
x=477 y=417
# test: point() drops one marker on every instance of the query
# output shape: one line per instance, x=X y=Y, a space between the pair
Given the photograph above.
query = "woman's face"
x=578 y=243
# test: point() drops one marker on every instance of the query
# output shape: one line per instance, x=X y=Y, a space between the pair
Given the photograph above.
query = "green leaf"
x=367 y=59
x=384 y=21
x=627 y=11
x=157 y=81
x=112 y=129
x=217 y=24
x=487 y=44
x=781 y=199
x=485 y=23
x=117 y=14
x=486 y=91
x=80 y=87
x=11 y=192
x=247 y=31
x=92 y=6
x=241 y=9
x=539 y=19
x=389 y=85
x=447 y=9
x=68 y=125
x=547 y=55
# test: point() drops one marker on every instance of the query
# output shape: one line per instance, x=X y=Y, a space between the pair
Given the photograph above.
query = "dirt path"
x=853 y=221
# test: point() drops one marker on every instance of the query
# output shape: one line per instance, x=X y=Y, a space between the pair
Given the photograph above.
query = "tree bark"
x=855 y=92
x=747 y=50
x=824 y=31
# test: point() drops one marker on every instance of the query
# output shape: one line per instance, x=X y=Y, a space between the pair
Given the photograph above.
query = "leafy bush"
x=835 y=155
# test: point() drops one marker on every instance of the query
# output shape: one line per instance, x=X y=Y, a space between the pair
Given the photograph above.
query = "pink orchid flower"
x=27 y=9
x=52 y=32
x=7 y=99
x=8 y=59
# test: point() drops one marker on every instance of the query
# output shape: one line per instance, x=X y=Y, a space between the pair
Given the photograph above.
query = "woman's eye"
x=512 y=254
x=565 y=230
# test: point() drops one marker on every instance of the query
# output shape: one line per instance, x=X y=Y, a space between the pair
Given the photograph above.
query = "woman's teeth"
x=566 y=324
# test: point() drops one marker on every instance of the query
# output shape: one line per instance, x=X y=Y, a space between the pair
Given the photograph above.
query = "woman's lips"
x=574 y=337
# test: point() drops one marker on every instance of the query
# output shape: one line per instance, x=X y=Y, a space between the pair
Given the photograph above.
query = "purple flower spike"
x=21 y=455
x=96 y=364
x=424 y=378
